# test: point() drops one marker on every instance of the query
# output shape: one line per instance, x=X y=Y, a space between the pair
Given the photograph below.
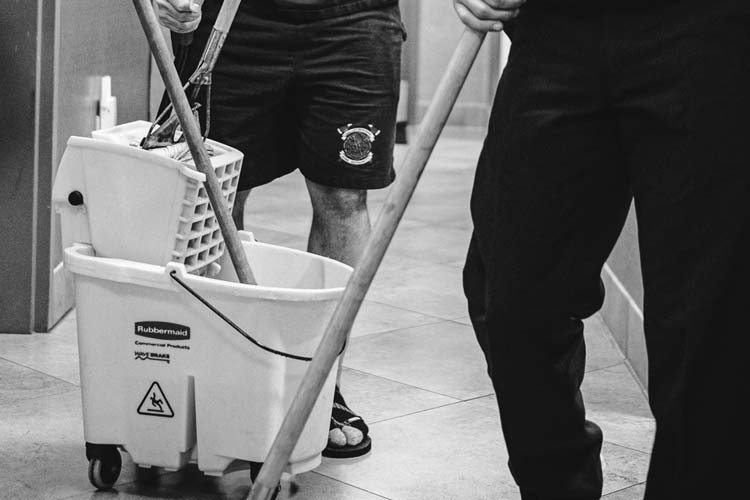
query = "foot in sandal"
x=348 y=435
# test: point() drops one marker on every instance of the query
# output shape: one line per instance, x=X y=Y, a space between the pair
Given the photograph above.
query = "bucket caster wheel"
x=255 y=470
x=105 y=464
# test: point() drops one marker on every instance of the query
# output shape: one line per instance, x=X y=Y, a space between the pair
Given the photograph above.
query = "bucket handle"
x=191 y=291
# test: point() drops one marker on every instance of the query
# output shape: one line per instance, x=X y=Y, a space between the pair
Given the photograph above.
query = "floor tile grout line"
x=41 y=396
x=624 y=447
x=453 y=403
x=393 y=330
x=623 y=363
x=409 y=310
x=475 y=398
x=456 y=400
x=403 y=309
x=623 y=489
x=461 y=324
x=429 y=315
x=627 y=362
x=607 y=367
x=641 y=385
x=41 y=372
x=459 y=318
x=350 y=485
x=403 y=383
x=423 y=263
x=423 y=313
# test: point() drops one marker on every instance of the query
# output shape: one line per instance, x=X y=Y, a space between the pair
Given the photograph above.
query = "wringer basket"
x=138 y=205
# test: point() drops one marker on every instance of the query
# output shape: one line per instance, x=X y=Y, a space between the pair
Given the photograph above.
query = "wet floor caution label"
x=155 y=403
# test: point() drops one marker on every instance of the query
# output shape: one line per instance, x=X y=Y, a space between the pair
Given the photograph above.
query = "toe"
x=353 y=436
x=336 y=437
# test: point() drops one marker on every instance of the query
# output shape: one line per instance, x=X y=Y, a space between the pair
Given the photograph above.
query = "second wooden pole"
x=382 y=233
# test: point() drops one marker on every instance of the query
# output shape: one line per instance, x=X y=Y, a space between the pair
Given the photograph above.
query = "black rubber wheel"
x=104 y=471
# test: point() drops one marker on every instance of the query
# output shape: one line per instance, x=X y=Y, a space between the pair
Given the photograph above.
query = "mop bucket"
x=168 y=378
x=107 y=192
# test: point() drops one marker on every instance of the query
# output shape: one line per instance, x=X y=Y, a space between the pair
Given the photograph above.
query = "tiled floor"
x=413 y=370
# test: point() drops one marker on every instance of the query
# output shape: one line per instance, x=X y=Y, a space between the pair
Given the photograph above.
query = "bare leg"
x=238 y=210
x=340 y=228
x=340 y=225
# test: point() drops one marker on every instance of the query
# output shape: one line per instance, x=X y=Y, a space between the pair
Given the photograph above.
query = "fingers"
x=180 y=16
x=487 y=15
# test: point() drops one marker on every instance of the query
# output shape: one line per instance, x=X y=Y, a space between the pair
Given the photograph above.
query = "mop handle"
x=215 y=42
x=222 y=24
x=346 y=311
x=194 y=138
x=226 y=15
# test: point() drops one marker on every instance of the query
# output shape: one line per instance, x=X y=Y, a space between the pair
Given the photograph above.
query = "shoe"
x=348 y=433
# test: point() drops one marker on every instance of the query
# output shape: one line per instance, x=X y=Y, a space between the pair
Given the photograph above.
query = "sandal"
x=347 y=436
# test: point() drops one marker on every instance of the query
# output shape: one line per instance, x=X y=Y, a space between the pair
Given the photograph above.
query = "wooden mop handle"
x=215 y=42
x=226 y=15
x=346 y=311
x=194 y=139
x=222 y=24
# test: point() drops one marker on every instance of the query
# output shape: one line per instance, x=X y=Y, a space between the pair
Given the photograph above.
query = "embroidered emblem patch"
x=357 y=147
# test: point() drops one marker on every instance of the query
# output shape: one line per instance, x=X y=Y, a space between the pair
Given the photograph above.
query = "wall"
x=19 y=51
x=439 y=32
x=53 y=53
x=623 y=303
x=109 y=42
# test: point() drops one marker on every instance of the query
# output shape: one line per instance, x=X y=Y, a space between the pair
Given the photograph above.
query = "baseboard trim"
x=62 y=294
x=615 y=282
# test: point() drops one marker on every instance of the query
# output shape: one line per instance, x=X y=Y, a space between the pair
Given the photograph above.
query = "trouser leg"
x=684 y=112
x=549 y=200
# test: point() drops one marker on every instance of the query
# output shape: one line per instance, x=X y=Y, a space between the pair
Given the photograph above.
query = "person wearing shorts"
x=309 y=85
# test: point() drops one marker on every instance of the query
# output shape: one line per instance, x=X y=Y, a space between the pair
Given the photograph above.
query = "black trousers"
x=598 y=107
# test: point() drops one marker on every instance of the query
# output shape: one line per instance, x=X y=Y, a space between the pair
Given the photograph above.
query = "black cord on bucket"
x=173 y=275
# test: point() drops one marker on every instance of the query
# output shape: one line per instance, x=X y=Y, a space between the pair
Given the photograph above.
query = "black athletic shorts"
x=319 y=95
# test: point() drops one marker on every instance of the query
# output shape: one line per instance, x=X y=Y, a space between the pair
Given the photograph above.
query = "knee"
x=341 y=203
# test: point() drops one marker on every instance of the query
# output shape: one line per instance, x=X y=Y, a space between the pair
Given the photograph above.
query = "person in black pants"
x=310 y=85
x=603 y=103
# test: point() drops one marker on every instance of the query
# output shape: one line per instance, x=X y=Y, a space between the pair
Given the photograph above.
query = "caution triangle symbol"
x=155 y=403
